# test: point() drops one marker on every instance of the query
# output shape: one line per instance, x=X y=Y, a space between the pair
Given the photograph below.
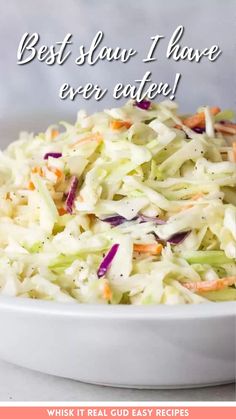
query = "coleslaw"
x=133 y=205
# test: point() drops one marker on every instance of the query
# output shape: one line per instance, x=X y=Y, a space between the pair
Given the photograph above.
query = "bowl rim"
x=104 y=311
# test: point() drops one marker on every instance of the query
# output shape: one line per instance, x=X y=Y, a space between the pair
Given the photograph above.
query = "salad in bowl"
x=133 y=205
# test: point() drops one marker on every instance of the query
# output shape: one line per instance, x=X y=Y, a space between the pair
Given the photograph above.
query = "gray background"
x=20 y=384
x=29 y=93
x=29 y=100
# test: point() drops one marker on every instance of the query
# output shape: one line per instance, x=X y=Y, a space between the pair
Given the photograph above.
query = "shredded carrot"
x=193 y=198
x=56 y=171
x=177 y=126
x=88 y=138
x=153 y=248
x=38 y=170
x=31 y=186
x=91 y=217
x=117 y=124
x=229 y=124
x=230 y=155
x=234 y=150
x=107 y=292
x=54 y=133
x=226 y=128
x=215 y=285
x=197 y=196
x=198 y=119
x=62 y=211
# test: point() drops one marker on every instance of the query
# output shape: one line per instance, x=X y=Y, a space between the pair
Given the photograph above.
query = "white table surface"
x=20 y=384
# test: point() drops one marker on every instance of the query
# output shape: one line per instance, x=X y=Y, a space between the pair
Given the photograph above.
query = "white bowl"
x=126 y=346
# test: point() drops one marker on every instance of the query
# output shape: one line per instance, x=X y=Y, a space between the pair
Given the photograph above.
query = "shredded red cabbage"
x=198 y=130
x=146 y=219
x=175 y=239
x=71 y=194
x=116 y=220
x=52 y=154
x=178 y=238
x=143 y=104
x=106 y=262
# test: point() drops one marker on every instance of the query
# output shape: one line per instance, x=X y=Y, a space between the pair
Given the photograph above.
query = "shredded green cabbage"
x=163 y=192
